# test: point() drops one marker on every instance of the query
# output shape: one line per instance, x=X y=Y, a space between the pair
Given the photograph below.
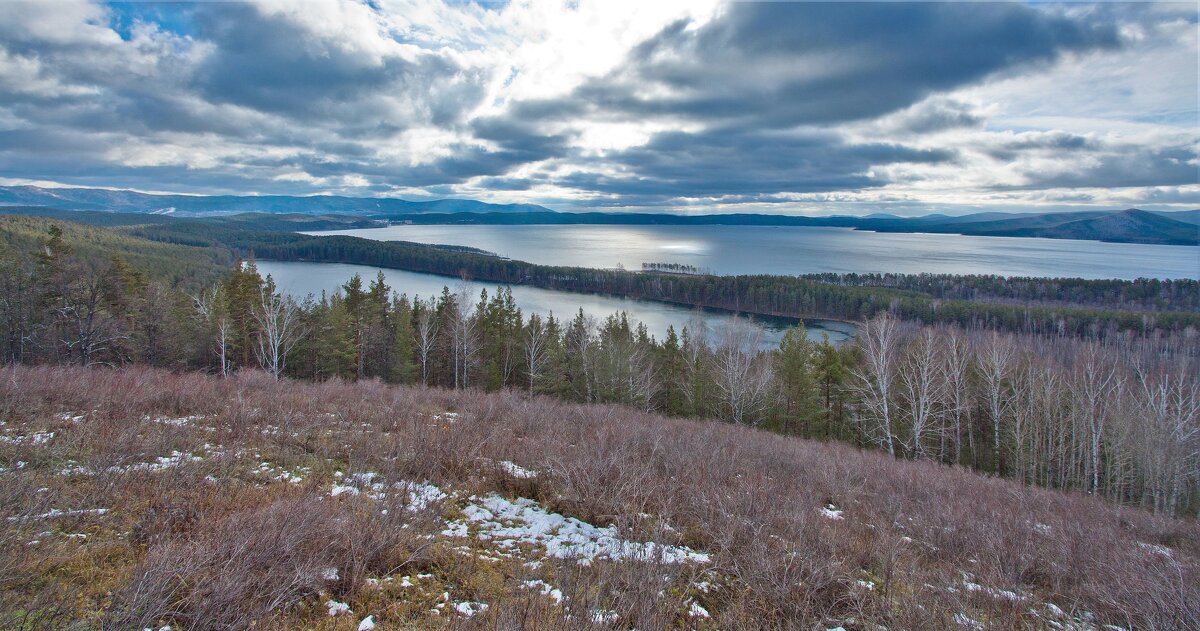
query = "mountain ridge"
x=1116 y=226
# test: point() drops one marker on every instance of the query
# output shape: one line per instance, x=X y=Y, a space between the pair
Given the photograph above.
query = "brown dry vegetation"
x=220 y=542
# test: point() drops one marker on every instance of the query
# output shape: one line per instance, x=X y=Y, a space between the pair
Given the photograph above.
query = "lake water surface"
x=800 y=250
x=301 y=279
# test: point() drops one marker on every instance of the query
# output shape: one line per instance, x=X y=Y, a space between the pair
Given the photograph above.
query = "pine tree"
x=795 y=361
x=402 y=368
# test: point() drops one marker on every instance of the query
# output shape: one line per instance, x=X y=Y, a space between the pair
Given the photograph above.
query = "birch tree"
x=993 y=369
x=879 y=340
x=278 y=320
x=743 y=377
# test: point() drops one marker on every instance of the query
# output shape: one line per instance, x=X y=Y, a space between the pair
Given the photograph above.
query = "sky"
x=661 y=106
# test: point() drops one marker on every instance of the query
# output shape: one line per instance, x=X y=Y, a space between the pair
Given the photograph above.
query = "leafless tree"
x=426 y=336
x=879 y=340
x=87 y=332
x=1096 y=384
x=744 y=378
x=955 y=367
x=207 y=305
x=278 y=320
x=1169 y=403
x=994 y=360
x=921 y=391
x=536 y=341
x=465 y=332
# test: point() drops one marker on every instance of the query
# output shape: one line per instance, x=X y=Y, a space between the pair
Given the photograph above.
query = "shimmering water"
x=801 y=250
x=301 y=279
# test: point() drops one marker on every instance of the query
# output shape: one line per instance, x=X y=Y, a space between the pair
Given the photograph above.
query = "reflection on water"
x=301 y=279
x=803 y=250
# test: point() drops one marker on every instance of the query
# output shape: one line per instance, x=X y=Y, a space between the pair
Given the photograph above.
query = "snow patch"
x=469 y=609
x=54 y=513
x=545 y=588
x=512 y=522
x=829 y=511
x=516 y=470
x=1155 y=548
x=36 y=438
x=962 y=619
x=367 y=624
x=337 y=608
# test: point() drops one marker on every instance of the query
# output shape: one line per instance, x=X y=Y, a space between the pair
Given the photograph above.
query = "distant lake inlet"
x=304 y=278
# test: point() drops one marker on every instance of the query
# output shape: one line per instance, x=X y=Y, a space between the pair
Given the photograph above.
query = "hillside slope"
x=1130 y=226
x=136 y=498
x=177 y=265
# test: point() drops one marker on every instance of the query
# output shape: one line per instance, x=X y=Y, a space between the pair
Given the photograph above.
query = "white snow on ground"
x=54 y=512
x=831 y=512
x=1000 y=594
x=37 y=438
x=162 y=462
x=1155 y=548
x=367 y=624
x=696 y=611
x=177 y=422
x=71 y=417
x=604 y=616
x=963 y=620
x=511 y=522
x=337 y=608
x=329 y=574
x=545 y=588
x=516 y=470
x=342 y=489
x=446 y=417
x=420 y=494
x=470 y=608
x=282 y=475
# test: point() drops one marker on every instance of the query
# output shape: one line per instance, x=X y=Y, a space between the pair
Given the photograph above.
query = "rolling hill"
x=132 y=201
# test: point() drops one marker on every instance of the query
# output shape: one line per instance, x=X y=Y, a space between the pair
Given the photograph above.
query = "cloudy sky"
x=692 y=106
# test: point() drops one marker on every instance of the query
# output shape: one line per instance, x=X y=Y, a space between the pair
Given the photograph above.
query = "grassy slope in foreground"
x=137 y=498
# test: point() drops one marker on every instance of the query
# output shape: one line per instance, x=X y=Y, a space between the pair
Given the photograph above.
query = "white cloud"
x=566 y=103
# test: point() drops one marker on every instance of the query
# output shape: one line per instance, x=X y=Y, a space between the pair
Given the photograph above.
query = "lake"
x=795 y=250
x=301 y=279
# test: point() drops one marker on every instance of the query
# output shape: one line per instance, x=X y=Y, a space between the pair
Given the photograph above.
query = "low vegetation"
x=140 y=498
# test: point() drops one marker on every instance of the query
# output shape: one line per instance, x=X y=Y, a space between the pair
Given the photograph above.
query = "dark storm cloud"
x=1125 y=166
x=778 y=65
x=768 y=67
x=716 y=164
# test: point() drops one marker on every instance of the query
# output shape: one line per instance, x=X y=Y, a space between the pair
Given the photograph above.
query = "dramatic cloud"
x=697 y=106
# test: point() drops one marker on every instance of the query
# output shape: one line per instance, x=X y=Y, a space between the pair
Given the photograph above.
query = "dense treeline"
x=1149 y=294
x=783 y=296
x=1116 y=416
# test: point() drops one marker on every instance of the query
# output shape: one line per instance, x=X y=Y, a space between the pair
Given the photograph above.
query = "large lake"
x=802 y=250
x=301 y=279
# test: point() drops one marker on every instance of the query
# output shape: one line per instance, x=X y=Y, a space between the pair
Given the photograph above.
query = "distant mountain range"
x=192 y=205
x=1118 y=226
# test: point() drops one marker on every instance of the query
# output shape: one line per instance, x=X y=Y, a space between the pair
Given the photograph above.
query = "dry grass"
x=223 y=540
